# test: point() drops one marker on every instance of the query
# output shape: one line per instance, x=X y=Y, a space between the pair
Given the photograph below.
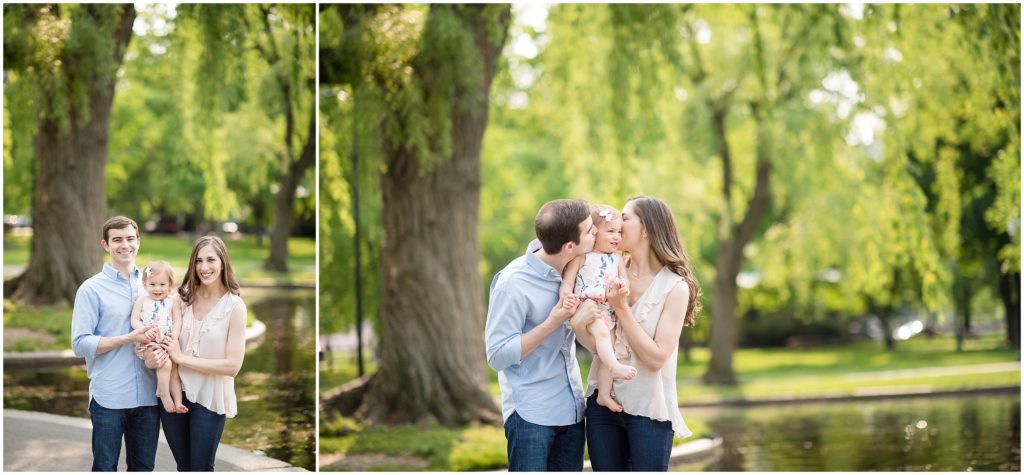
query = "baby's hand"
x=621 y=286
x=151 y=333
x=570 y=301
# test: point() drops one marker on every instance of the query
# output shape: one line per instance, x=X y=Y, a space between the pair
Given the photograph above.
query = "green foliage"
x=54 y=55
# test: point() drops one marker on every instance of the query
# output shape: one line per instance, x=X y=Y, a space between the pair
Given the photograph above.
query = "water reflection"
x=276 y=387
x=978 y=433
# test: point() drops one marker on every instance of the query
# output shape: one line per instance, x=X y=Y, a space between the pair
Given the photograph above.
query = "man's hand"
x=141 y=334
x=154 y=357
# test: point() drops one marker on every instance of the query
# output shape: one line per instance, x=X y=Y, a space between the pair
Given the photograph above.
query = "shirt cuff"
x=85 y=347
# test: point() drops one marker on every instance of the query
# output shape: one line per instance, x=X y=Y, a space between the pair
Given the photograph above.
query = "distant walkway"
x=38 y=442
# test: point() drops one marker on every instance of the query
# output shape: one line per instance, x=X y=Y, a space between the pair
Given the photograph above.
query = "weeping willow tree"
x=420 y=77
x=282 y=38
x=946 y=81
x=61 y=62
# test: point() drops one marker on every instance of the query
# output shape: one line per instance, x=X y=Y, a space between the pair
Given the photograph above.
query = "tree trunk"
x=884 y=314
x=71 y=202
x=284 y=211
x=1009 y=292
x=431 y=347
x=725 y=325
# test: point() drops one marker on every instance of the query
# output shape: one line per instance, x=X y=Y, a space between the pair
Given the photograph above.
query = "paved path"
x=34 y=441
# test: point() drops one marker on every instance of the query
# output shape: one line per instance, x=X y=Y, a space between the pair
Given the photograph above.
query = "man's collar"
x=110 y=271
x=539 y=266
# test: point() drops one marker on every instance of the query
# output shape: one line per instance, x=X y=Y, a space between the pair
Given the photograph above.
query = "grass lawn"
x=918 y=364
x=247 y=257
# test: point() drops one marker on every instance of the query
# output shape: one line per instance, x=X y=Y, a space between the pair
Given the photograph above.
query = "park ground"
x=920 y=365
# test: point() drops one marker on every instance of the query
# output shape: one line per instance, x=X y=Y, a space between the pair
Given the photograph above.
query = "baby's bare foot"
x=180 y=409
x=168 y=404
x=609 y=402
x=621 y=371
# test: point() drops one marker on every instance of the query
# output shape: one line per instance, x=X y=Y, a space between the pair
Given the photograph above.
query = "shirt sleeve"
x=84 y=319
x=506 y=316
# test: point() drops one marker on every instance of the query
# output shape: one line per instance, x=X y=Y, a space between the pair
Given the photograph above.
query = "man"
x=532 y=348
x=122 y=392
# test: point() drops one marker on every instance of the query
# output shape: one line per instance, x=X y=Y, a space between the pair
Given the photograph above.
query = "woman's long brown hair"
x=656 y=218
x=191 y=282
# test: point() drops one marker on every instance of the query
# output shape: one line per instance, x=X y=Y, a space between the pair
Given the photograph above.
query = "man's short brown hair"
x=558 y=222
x=119 y=222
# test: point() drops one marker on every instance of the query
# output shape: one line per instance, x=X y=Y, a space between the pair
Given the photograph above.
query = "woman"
x=209 y=354
x=662 y=297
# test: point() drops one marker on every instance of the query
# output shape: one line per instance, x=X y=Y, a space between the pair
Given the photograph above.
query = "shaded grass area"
x=247 y=257
x=768 y=373
x=372 y=448
x=341 y=367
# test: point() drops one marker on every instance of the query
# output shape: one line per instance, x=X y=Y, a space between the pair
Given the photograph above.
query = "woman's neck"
x=211 y=291
x=643 y=264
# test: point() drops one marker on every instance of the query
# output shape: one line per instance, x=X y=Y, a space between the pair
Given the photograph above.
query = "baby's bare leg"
x=163 y=385
x=603 y=338
x=604 y=388
x=175 y=387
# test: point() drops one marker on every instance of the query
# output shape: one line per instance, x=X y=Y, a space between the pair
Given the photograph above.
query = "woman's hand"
x=617 y=294
x=172 y=348
x=586 y=313
x=154 y=357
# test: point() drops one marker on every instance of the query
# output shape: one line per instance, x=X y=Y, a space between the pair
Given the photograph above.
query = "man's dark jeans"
x=193 y=436
x=140 y=429
x=537 y=448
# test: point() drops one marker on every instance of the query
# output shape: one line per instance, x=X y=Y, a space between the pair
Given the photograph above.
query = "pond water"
x=962 y=433
x=276 y=387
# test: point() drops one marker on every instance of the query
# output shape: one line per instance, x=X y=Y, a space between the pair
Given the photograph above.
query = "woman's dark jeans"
x=193 y=436
x=621 y=442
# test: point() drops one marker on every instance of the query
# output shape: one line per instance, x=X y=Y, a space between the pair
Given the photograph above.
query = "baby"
x=593 y=276
x=160 y=307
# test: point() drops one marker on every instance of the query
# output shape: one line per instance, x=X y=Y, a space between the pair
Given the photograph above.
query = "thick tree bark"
x=70 y=202
x=431 y=348
x=284 y=210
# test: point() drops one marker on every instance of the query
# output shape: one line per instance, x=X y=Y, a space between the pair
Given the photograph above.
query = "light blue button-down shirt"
x=545 y=388
x=103 y=307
